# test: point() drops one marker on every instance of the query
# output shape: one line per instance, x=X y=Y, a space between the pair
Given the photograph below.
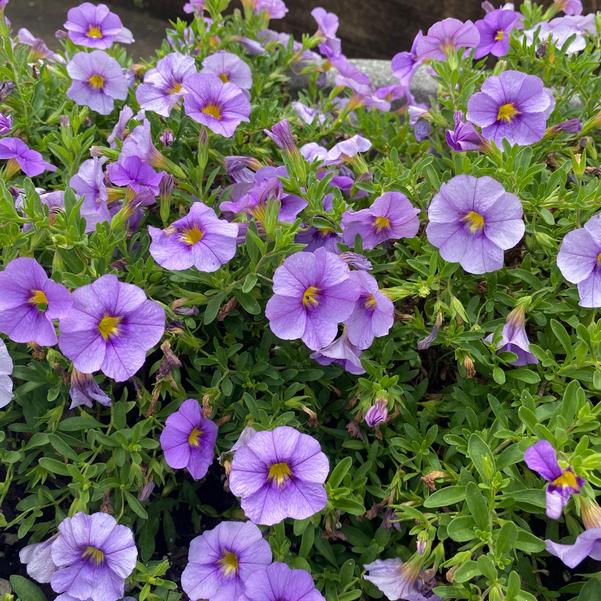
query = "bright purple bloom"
x=569 y=7
x=579 y=260
x=280 y=474
x=6 y=124
x=322 y=237
x=20 y=156
x=275 y=9
x=95 y=26
x=93 y=555
x=347 y=149
x=464 y=137
x=512 y=106
x=313 y=293
x=89 y=183
x=446 y=36
x=110 y=328
x=132 y=171
x=495 y=30
x=164 y=85
x=98 y=80
x=514 y=338
x=6 y=369
x=405 y=64
x=341 y=352
x=39 y=50
x=229 y=68
x=85 y=391
x=563 y=483
x=218 y=105
x=473 y=220
x=30 y=301
x=221 y=560
x=200 y=239
x=278 y=582
x=194 y=6
x=587 y=544
x=377 y=414
x=188 y=440
x=390 y=217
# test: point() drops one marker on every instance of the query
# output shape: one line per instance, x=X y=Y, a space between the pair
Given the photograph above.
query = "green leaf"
x=461 y=529
x=467 y=571
x=446 y=496
x=498 y=376
x=591 y=591
x=339 y=472
x=529 y=543
x=523 y=374
x=26 y=590
x=506 y=538
x=562 y=335
x=478 y=506
x=213 y=307
x=54 y=466
x=482 y=457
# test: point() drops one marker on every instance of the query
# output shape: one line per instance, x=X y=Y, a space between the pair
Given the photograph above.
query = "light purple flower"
x=221 y=560
x=6 y=124
x=89 y=183
x=560 y=29
x=120 y=129
x=188 y=440
x=377 y=414
x=570 y=126
x=569 y=7
x=512 y=106
x=20 y=156
x=38 y=559
x=579 y=260
x=229 y=68
x=405 y=64
x=473 y=220
x=319 y=237
x=341 y=352
x=446 y=36
x=95 y=26
x=139 y=143
x=94 y=555
x=563 y=483
x=39 y=50
x=515 y=340
x=464 y=136
x=390 y=217
x=314 y=152
x=274 y=9
x=6 y=369
x=308 y=114
x=280 y=474
x=84 y=390
x=194 y=6
x=30 y=301
x=495 y=29
x=110 y=328
x=98 y=80
x=587 y=544
x=220 y=106
x=327 y=27
x=347 y=149
x=278 y=582
x=253 y=47
x=313 y=293
x=282 y=136
x=132 y=171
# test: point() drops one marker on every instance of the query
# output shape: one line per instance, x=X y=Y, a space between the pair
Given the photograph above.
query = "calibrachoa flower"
x=6 y=124
x=390 y=217
x=278 y=582
x=98 y=80
x=377 y=414
x=132 y=171
x=495 y=30
x=93 y=555
x=84 y=390
x=110 y=328
x=473 y=220
x=313 y=293
x=89 y=183
x=194 y=6
x=164 y=85
x=563 y=483
x=218 y=105
x=512 y=106
x=275 y=9
x=347 y=149
x=569 y=7
x=579 y=260
x=341 y=352
x=29 y=302
x=446 y=36
x=188 y=440
x=222 y=559
x=280 y=474
x=404 y=64
x=6 y=369
x=200 y=239
x=95 y=26
x=38 y=560
x=514 y=338
x=229 y=67
x=464 y=137
x=39 y=49
x=20 y=156
x=120 y=129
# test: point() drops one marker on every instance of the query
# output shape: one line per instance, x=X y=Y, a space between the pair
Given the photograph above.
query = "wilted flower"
x=6 y=369
x=6 y=124
x=89 y=183
x=95 y=26
x=281 y=134
x=377 y=414
x=514 y=338
x=495 y=29
x=228 y=67
x=120 y=129
x=570 y=126
x=38 y=560
x=341 y=352
x=308 y=114
x=84 y=390
x=278 y=582
x=20 y=156
x=446 y=36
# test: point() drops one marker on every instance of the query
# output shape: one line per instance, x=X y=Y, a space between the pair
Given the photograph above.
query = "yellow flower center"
x=229 y=564
x=213 y=111
x=39 y=299
x=500 y=35
x=224 y=77
x=474 y=221
x=507 y=112
x=192 y=235
x=311 y=297
x=194 y=437
x=279 y=473
x=370 y=302
x=599 y=258
x=176 y=88
x=567 y=480
x=96 y=81
x=95 y=33
x=93 y=553
x=381 y=223
x=109 y=326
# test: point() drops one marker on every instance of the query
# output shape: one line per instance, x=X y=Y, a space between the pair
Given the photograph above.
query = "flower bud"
x=590 y=512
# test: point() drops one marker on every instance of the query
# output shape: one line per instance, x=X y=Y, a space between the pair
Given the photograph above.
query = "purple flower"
x=515 y=340
x=561 y=29
x=85 y=390
x=188 y=440
x=347 y=149
x=221 y=560
x=569 y=7
x=542 y=459
x=464 y=137
x=200 y=239
x=6 y=369
x=278 y=582
x=341 y=352
x=313 y=293
x=110 y=328
x=132 y=171
x=120 y=129
x=218 y=105
x=89 y=183
x=38 y=559
x=39 y=50
x=95 y=26
x=327 y=27
x=164 y=85
x=319 y=237
x=139 y=143
x=194 y=6
x=570 y=126
x=20 y=156
x=390 y=217
x=512 y=106
x=494 y=32
x=308 y=114
x=405 y=64
x=98 y=80
x=6 y=124
x=377 y=414
x=579 y=260
x=473 y=220
x=446 y=36
x=229 y=68
x=587 y=544
x=282 y=136
x=93 y=555
x=280 y=474
x=29 y=302
x=274 y=9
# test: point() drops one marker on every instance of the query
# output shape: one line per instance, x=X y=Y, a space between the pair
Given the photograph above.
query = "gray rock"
x=5 y=587
x=423 y=85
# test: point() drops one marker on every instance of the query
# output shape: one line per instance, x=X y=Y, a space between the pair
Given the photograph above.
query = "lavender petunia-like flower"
x=561 y=29
x=188 y=440
x=200 y=239
x=278 y=582
x=20 y=156
x=229 y=68
x=98 y=80
x=164 y=85
x=405 y=64
x=377 y=414
x=313 y=293
x=39 y=49
x=38 y=560
x=446 y=36
x=120 y=129
x=569 y=7
x=495 y=29
x=515 y=340
x=89 y=183
x=6 y=124
x=464 y=136
x=95 y=26
x=93 y=555
x=473 y=220
x=307 y=114
x=347 y=149
x=30 y=301
x=341 y=352
x=563 y=483
x=6 y=369
x=133 y=172
x=194 y=7
x=218 y=105
x=390 y=217
x=280 y=474
x=84 y=390
x=587 y=544
x=512 y=106
x=579 y=260
x=222 y=559
x=110 y=328
x=274 y=9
